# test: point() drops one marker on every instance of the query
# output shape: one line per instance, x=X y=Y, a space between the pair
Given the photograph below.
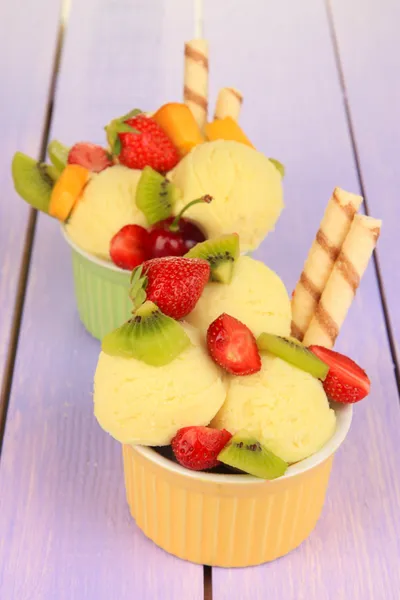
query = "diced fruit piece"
x=33 y=181
x=128 y=247
x=67 y=191
x=293 y=353
x=174 y=283
x=226 y=129
x=346 y=382
x=58 y=154
x=197 y=447
x=179 y=124
x=94 y=158
x=246 y=453
x=150 y=336
x=278 y=165
x=139 y=141
x=52 y=171
x=175 y=236
x=232 y=346
x=155 y=196
x=221 y=253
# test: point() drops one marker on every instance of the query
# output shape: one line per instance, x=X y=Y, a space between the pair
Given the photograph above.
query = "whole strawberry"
x=138 y=141
x=197 y=448
x=346 y=382
x=174 y=283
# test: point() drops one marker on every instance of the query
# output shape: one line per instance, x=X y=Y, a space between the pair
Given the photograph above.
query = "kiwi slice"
x=155 y=196
x=58 y=154
x=294 y=353
x=221 y=253
x=150 y=336
x=33 y=180
x=278 y=165
x=246 y=453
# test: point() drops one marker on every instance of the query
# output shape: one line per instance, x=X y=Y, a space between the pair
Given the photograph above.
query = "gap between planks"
x=30 y=232
x=357 y=162
x=207 y=573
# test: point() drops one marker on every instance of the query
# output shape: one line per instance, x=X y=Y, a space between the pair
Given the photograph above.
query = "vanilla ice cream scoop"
x=256 y=296
x=246 y=189
x=141 y=404
x=107 y=204
x=281 y=405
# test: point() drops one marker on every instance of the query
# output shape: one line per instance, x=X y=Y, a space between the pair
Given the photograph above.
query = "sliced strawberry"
x=174 y=283
x=139 y=141
x=346 y=382
x=197 y=448
x=92 y=157
x=128 y=247
x=232 y=346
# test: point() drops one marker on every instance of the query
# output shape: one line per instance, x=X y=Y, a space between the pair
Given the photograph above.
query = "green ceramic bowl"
x=101 y=291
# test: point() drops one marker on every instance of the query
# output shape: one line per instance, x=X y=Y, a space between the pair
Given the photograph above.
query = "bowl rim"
x=94 y=259
x=344 y=413
x=100 y=262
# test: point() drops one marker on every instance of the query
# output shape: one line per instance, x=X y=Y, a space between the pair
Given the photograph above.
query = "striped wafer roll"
x=195 y=92
x=325 y=249
x=229 y=103
x=343 y=281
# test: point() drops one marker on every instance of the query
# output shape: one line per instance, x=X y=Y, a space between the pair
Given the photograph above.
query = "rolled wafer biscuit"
x=229 y=103
x=325 y=249
x=343 y=281
x=195 y=91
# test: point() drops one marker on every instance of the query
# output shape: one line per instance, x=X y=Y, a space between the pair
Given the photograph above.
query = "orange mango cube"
x=180 y=126
x=226 y=129
x=67 y=190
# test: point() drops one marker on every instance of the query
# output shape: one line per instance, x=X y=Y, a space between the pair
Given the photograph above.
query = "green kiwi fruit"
x=155 y=196
x=246 y=453
x=294 y=353
x=33 y=180
x=149 y=336
x=58 y=154
x=221 y=253
x=279 y=166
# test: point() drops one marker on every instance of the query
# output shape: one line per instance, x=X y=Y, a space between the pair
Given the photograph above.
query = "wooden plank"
x=281 y=57
x=65 y=528
x=26 y=62
x=369 y=48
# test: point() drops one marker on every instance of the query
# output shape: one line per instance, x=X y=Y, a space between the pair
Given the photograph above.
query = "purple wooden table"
x=322 y=94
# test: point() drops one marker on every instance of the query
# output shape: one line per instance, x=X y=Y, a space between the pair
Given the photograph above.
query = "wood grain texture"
x=65 y=529
x=26 y=61
x=281 y=57
x=369 y=49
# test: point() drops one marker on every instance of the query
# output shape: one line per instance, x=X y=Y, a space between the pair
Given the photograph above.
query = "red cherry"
x=175 y=236
x=163 y=242
x=128 y=247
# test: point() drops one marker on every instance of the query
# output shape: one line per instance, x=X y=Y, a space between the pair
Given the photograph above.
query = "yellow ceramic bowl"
x=228 y=520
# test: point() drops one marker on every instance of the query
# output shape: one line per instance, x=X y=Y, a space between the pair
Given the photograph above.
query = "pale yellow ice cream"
x=245 y=185
x=282 y=405
x=256 y=296
x=141 y=404
x=107 y=204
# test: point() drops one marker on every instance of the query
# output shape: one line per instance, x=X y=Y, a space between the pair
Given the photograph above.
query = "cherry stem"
x=174 y=227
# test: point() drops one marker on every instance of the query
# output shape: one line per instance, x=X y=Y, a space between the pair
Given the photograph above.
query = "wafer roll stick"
x=195 y=92
x=343 y=281
x=229 y=103
x=325 y=249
